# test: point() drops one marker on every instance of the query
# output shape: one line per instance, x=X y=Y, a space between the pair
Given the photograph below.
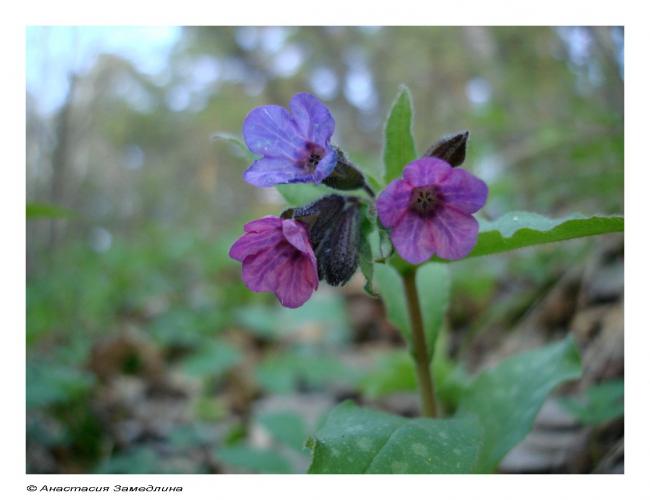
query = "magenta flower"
x=294 y=146
x=277 y=257
x=429 y=210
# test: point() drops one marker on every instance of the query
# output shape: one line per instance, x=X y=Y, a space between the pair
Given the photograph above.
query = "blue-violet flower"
x=294 y=146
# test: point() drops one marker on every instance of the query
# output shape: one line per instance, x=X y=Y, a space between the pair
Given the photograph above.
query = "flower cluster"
x=428 y=211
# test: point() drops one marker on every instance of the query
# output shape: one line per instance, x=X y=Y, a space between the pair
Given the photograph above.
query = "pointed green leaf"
x=357 y=440
x=433 y=285
x=523 y=229
x=507 y=398
x=399 y=146
x=238 y=145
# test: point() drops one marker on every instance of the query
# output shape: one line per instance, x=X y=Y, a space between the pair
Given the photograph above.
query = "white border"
x=634 y=484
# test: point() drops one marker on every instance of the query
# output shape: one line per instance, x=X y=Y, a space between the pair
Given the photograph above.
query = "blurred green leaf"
x=282 y=373
x=433 y=284
x=49 y=383
x=391 y=289
x=599 y=404
x=238 y=145
x=140 y=460
x=369 y=239
x=286 y=427
x=392 y=372
x=297 y=195
x=47 y=211
x=399 y=146
x=357 y=440
x=213 y=358
x=507 y=398
x=251 y=459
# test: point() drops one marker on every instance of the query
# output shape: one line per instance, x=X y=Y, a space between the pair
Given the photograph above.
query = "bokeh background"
x=146 y=354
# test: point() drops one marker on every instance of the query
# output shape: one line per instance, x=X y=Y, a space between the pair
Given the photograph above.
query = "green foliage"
x=47 y=211
x=506 y=399
x=399 y=146
x=523 y=229
x=286 y=427
x=433 y=284
x=496 y=410
x=139 y=460
x=283 y=372
x=391 y=289
x=392 y=372
x=357 y=440
x=248 y=459
x=599 y=404
x=50 y=384
x=213 y=358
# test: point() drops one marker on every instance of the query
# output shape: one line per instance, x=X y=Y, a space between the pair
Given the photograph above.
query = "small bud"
x=345 y=176
x=450 y=148
x=334 y=233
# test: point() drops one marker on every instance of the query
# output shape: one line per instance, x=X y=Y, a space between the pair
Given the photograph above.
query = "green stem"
x=422 y=364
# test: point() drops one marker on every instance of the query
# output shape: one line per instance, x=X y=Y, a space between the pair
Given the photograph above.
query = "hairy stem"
x=422 y=365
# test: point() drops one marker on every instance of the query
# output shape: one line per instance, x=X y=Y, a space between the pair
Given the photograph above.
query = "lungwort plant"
x=401 y=231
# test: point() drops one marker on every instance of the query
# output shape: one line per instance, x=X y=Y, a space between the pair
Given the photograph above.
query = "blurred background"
x=145 y=352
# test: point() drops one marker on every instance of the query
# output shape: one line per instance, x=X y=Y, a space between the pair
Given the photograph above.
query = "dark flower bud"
x=334 y=233
x=451 y=148
x=345 y=175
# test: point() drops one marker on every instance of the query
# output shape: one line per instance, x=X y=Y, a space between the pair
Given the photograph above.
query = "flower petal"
x=426 y=171
x=454 y=232
x=260 y=271
x=260 y=240
x=297 y=280
x=266 y=223
x=312 y=117
x=326 y=166
x=413 y=238
x=393 y=202
x=267 y=172
x=271 y=131
x=463 y=191
x=296 y=234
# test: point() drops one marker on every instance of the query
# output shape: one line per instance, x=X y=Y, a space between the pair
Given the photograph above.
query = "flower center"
x=424 y=200
x=314 y=154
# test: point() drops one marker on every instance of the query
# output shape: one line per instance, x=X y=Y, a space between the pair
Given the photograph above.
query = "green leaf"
x=399 y=146
x=357 y=440
x=238 y=145
x=599 y=404
x=391 y=289
x=297 y=195
x=433 y=285
x=523 y=229
x=252 y=459
x=369 y=240
x=392 y=372
x=507 y=398
x=46 y=211
x=286 y=427
x=214 y=358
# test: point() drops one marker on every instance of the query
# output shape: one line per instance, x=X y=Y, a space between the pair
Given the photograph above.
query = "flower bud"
x=451 y=148
x=334 y=233
x=345 y=175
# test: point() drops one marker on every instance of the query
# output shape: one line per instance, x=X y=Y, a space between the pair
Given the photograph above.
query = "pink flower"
x=277 y=257
x=429 y=210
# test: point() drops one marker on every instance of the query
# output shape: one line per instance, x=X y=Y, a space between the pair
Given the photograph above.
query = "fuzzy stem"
x=425 y=381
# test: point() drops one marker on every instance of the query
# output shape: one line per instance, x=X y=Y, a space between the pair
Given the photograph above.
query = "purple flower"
x=428 y=210
x=294 y=146
x=277 y=257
